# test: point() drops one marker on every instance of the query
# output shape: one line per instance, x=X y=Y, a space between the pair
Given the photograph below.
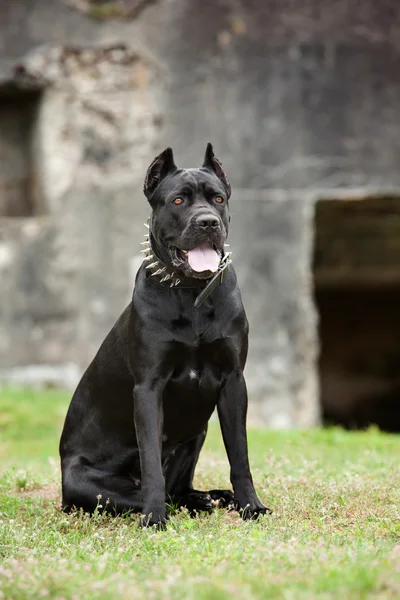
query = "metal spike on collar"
x=159 y=271
x=145 y=243
x=147 y=258
x=147 y=225
x=154 y=264
x=145 y=251
x=166 y=278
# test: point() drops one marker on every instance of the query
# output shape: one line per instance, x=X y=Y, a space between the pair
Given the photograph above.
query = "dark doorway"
x=18 y=115
x=357 y=293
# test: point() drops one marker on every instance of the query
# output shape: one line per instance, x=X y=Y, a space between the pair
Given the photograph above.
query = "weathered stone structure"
x=301 y=101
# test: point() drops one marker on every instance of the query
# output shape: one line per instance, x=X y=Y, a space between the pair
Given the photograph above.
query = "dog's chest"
x=194 y=375
x=199 y=352
x=195 y=366
x=196 y=327
x=200 y=377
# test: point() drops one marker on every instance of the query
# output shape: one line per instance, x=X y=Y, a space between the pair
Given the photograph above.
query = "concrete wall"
x=296 y=97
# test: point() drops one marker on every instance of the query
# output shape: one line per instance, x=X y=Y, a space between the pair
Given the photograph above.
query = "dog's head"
x=190 y=217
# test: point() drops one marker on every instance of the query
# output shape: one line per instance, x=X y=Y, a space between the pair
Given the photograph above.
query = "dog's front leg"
x=232 y=411
x=148 y=417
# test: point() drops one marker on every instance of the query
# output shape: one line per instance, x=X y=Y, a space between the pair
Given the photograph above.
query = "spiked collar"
x=167 y=276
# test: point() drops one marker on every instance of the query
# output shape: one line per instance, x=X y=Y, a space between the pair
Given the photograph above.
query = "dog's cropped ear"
x=212 y=163
x=161 y=166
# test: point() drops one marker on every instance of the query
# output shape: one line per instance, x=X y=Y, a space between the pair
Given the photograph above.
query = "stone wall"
x=69 y=266
x=296 y=97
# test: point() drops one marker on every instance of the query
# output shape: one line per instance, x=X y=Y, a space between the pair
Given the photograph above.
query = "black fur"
x=138 y=418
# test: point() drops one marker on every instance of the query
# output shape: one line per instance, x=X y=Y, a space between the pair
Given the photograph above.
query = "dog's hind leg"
x=179 y=473
x=87 y=487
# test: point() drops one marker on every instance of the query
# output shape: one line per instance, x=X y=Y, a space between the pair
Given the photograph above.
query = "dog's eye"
x=177 y=201
x=219 y=199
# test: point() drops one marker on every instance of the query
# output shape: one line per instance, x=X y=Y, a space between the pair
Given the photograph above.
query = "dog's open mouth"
x=205 y=257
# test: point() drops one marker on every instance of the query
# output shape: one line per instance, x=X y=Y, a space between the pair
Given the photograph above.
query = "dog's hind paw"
x=223 y=498
x=196 y=501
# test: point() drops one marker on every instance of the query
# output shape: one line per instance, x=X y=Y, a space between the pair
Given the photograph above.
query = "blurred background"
x=301 y=100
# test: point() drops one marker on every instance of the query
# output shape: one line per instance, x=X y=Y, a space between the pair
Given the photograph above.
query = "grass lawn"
x=334 y=533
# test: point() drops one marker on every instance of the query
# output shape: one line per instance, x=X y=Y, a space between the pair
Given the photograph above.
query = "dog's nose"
x=207 y=221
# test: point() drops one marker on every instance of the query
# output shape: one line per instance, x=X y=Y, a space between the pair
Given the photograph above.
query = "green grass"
x=335 y=531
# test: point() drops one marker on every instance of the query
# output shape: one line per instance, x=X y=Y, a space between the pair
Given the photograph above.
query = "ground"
x=334 y=533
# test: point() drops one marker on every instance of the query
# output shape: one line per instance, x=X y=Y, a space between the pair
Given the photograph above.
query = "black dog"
x=138 y=419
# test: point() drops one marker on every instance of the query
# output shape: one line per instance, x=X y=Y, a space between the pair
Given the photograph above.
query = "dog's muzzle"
x=203 y=257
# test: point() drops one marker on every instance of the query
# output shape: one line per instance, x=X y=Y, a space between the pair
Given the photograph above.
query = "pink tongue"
x=203 y=258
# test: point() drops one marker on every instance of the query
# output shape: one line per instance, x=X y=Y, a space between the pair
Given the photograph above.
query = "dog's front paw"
x=155 y=519
x=252 y=509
